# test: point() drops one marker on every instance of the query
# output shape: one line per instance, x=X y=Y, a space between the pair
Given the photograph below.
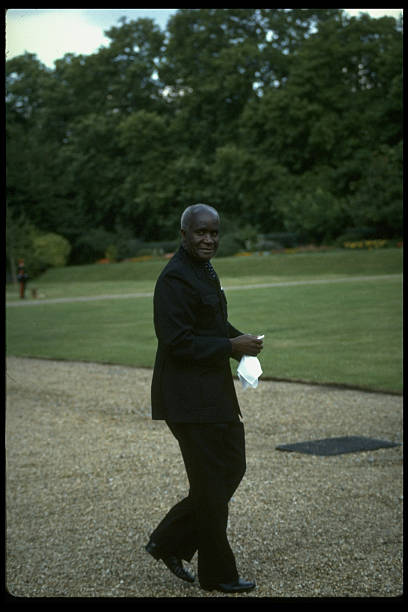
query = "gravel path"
x=89 y=475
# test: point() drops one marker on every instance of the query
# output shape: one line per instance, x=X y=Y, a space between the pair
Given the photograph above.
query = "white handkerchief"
x=249 y=370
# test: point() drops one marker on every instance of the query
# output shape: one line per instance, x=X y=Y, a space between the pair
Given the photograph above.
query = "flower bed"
x=372 y=244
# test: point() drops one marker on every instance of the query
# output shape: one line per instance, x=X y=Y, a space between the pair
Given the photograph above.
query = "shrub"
x=229 y=245
x=356 y=234
x=111 y=253
x=157 y=248
x=52 y=250
x=92 y=246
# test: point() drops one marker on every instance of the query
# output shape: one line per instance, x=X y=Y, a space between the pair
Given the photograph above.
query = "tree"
x=328 y=121
x=212 y=57
x=148 y=186
x=376 y=198
x=29 y=166
x=286 y=119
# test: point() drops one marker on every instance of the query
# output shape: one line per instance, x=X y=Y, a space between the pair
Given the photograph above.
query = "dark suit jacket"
x=192 y=380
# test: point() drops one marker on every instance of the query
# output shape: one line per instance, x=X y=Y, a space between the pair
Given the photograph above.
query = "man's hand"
x=246 y=345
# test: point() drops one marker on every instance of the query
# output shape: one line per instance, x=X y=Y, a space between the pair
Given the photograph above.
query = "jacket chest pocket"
x=208 y=308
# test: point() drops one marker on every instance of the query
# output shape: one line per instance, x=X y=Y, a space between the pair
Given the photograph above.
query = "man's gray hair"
x=192 y=210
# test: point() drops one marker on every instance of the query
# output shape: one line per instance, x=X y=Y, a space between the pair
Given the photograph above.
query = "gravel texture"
x=89 y=475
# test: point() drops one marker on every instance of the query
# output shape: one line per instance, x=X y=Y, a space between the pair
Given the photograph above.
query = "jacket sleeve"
x=175 y=308
x=233 y=332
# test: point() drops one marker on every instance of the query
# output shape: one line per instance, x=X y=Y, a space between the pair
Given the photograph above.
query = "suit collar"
x=197 y=266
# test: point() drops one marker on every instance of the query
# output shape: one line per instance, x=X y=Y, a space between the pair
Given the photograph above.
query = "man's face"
x=201 y=237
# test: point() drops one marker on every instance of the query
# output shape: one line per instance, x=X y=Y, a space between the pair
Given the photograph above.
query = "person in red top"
x=22 y=278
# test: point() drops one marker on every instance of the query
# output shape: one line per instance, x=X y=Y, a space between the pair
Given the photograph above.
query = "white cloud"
x=51 y=33
x=376 y=12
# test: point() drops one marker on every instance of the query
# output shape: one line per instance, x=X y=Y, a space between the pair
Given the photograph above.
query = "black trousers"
x=214 y=457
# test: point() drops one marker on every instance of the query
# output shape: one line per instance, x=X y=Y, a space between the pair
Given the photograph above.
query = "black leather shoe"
x=240 y=586
x=173 y=563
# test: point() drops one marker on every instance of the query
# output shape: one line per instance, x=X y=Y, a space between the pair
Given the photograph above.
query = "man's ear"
x=183 y=233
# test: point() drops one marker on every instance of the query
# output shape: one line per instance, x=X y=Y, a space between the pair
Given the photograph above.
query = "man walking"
x=193 y=391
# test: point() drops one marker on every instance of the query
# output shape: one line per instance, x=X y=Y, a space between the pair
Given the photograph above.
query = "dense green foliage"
x=287 y=120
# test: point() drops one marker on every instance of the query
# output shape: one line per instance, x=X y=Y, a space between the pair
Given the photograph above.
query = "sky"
x=51 y=33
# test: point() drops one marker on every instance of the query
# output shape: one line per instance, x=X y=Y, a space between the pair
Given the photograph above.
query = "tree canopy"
x=285 y=120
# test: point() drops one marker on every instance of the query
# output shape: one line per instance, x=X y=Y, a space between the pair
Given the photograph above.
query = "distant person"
x=193 y=391
x=22 y=278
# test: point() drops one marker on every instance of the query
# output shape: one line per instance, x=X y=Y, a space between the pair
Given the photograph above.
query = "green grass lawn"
x=349 y=332
x=126 y=277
